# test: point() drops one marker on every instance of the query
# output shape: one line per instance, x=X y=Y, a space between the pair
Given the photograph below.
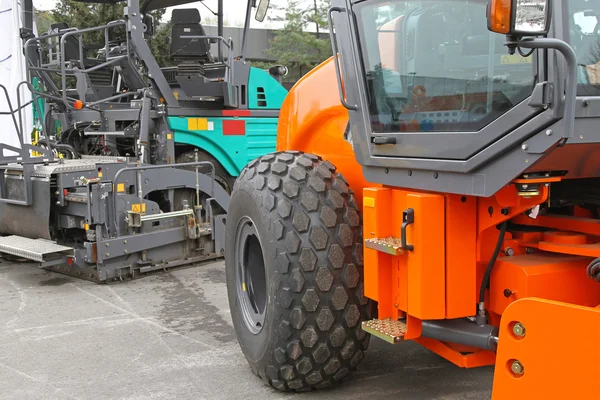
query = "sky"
x=235 y=10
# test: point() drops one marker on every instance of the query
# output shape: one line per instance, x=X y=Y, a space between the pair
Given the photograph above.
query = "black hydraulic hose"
x=66 y=147
x=485 y=283
x=593 y=270
x=481 y=318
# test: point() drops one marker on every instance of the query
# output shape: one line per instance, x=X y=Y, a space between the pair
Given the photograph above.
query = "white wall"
x=12 y=71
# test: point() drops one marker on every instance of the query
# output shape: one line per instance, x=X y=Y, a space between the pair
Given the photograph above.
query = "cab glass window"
x=434 y=66
x=584 y=32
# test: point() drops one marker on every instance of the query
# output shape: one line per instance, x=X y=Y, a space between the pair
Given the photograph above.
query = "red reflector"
x=234 y=127
x=236 y=113
x=65 y=192
x=70 y=261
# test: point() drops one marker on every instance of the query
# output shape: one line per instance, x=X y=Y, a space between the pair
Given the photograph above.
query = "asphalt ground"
x=169 y=336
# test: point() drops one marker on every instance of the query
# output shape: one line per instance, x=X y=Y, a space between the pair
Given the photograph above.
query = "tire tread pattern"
x=315 y=221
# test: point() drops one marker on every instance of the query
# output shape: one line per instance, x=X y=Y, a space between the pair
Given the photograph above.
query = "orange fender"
x=313 y=120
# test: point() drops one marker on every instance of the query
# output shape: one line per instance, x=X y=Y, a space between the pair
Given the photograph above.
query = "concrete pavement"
x=169 y=336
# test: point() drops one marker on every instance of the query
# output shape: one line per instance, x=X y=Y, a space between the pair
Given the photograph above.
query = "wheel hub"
x=250 y=275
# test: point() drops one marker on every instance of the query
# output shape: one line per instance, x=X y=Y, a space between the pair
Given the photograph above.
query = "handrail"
x=64 y=35
x=19 y=111
x=12 y=113
x=227 y=42
x=79 y=33
x=39 y=111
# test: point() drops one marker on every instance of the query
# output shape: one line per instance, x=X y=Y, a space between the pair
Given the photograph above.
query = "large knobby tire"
x=295 y=271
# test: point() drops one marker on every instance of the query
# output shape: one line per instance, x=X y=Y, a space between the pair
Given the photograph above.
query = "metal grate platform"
x=86 y=163
x=32 y=249
x=387 y=329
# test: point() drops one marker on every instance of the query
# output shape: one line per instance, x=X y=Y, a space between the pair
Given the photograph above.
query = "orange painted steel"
x=556 y=277
x=426 y=281
x=539 y=180
x=564 y=237
x=558 y=355
x=379 y=269
x=413 y=282
x=586 y=250
x=563 y=222
x=489 y=213
x=479 y=358
x=453 y=238
x=313 y=120
x=461 y=255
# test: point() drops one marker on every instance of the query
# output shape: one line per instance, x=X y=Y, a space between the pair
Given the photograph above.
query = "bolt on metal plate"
x=519 y=329
x=517 y=368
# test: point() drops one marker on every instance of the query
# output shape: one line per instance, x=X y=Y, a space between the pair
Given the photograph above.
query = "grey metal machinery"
x=112 y=199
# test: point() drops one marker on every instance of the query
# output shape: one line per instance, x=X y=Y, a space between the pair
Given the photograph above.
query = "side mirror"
x=519 y=17
x=261 y=11
x=278 y=70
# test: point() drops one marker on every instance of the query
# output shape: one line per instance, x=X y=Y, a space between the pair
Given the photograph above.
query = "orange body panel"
x=474 y=359
x=413 y=282
x=548 y=372
x=313 y=120
x=461 y=252
x=377 y=280
x=426 y=282
x=563 y=222
x=549 y=276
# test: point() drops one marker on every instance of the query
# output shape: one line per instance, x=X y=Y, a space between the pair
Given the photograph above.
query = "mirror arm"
x=571 y=85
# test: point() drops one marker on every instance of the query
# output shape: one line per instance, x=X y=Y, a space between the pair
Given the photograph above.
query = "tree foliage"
x=295 y=46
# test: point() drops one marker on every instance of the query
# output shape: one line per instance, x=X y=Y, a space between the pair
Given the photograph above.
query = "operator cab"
x=445 y=101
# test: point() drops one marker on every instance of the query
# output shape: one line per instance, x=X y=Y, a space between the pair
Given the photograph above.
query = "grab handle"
x=335 y=50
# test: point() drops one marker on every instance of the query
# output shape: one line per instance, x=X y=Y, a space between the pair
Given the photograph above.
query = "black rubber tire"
x=309 y=227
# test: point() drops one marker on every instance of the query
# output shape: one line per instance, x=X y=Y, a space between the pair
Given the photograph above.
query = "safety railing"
x=65 y=67
x=228 y=44
x=23 y=154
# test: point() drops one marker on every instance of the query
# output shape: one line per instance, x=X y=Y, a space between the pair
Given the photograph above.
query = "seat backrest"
x=186 y=22
x=71 y=43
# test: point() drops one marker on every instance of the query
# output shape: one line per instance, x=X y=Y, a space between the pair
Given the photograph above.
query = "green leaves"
x=295 y=46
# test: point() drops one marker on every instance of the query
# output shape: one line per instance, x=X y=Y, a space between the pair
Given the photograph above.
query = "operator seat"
x=186 y=22
x=196 y=73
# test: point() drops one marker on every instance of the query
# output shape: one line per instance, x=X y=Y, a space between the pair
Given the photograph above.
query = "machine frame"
x=112 y=217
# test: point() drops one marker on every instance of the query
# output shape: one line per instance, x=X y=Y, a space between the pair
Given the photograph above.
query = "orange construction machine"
x=437 y=180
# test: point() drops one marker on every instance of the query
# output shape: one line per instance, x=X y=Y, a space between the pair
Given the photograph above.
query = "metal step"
x=40 y=250
x=389 y=245
x=387 y=329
